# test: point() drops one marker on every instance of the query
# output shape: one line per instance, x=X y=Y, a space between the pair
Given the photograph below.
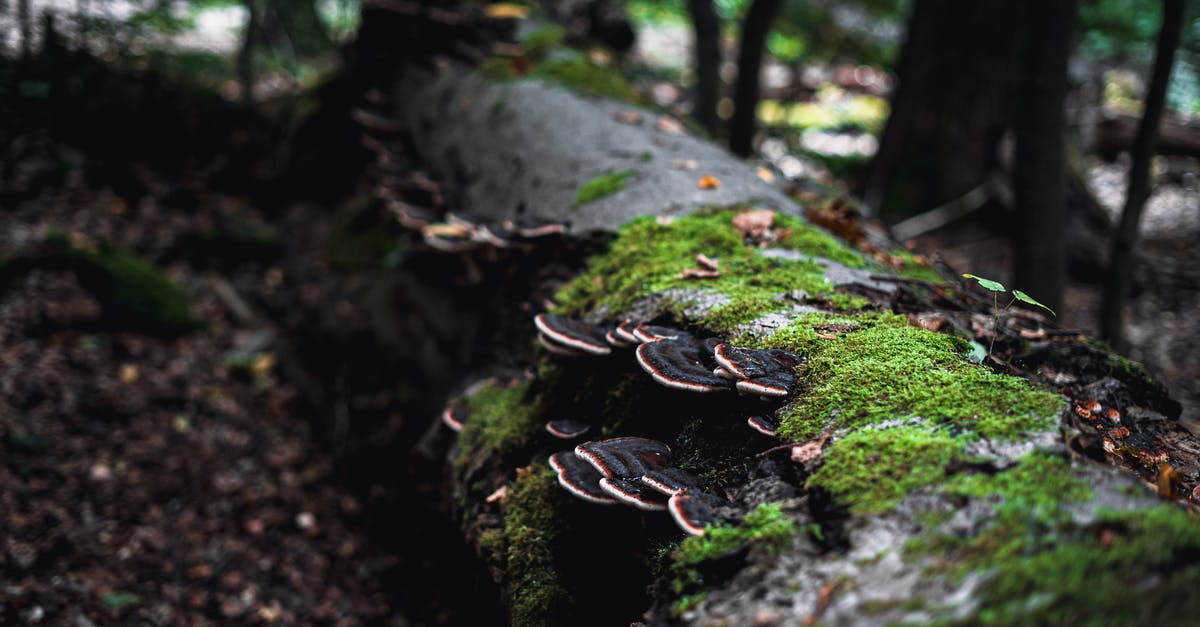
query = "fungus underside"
x=648 y=255
x=765 y=528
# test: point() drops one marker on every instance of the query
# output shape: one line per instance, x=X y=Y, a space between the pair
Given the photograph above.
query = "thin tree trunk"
x=245 y=57
x=1125 y=238
x=707 y=26
x=750 y=53
x=1039 y=172
x=25 y=23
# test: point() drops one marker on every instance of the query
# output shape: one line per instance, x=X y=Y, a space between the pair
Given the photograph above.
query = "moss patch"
x=893 y=370
x=601 y=186
x=530 y=532
x=129 y=287
x=765 y=528
x=648 y=255
x=502 y=420
x=586 y=76
x=1131 y=568
x=871 y=470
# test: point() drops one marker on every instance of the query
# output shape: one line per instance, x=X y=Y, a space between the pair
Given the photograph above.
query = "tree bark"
x=755 y=28
x=1039 y=171
x=706 y=25
x=1125 y=238
x=949 y=108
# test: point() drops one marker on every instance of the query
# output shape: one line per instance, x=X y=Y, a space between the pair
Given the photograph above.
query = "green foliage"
x=872 y=470
x=987 y=284
x=602 y=186
x=538 y=43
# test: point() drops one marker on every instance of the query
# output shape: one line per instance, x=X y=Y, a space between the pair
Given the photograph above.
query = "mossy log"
x=907 y=484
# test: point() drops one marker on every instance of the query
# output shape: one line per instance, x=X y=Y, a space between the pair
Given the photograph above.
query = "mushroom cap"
x=497 y=235
x=567 y=428
x=634 y=492
x=572 y=333
x=777 y=384
x=455 y=416
x=579 y=478
x=624 y=331
x=617 y=340
x=558 y=349
x=655 y=333
x=680 y=364
x=670 y=480
x=625 y=457
x=693 y=509
x=766 y=425
x=532 y=228
x=412 y=216
x=751 y=363
x=449 y=238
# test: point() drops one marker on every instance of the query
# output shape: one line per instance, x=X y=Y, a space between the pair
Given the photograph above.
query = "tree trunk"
x=949 y=108
x=707 y=27
x=902 y=475
x=1039 y=171
x=755 y=28
x=1125 y=238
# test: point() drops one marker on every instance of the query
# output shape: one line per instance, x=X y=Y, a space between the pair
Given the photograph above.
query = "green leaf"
x=995 y=286
x=1025 y=298
x=976 y=353
x=118 y=600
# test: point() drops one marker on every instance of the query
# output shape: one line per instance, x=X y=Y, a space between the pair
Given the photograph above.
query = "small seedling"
x=997 y=288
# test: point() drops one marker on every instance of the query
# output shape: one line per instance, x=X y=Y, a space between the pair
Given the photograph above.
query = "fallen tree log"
x=882 y=478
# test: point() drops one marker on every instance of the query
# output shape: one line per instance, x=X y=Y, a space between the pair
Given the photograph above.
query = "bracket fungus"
x=627 y=456
x=766 y=425
x=681 y=364
x=670 y=481
x=566 y=428
x=579 y=478
x=573 y=335
x=634 y=492
x=692 y=510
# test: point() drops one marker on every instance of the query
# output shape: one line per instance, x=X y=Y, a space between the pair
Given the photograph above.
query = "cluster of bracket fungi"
x=638 y=471
x=417 y=201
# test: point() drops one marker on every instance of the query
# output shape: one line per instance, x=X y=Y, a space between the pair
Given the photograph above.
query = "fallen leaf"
x=708 y=181
x=766 y=175
x=498 y=495
x=684 y=164
x=754 y=223
x=506 y=10
x=668 y=124
x=697 y=273
x=706 y=262
x=628 y=117
x=129 y=373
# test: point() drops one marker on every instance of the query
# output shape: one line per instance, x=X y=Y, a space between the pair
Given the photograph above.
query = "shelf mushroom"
x=682 y=364
x=570 y=337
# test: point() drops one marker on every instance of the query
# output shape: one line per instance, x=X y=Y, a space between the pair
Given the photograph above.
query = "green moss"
x=1039 y=485
x=586 y=76
x=871 y=470
x=131 y=287
x=648 y=255
x=892 y=371
x=530 y=532
x=503 y=420
x=364 y=236
x=815 y=242
x=537 y=43
x=914 y=268
x=601 y=186
x=765 y=528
